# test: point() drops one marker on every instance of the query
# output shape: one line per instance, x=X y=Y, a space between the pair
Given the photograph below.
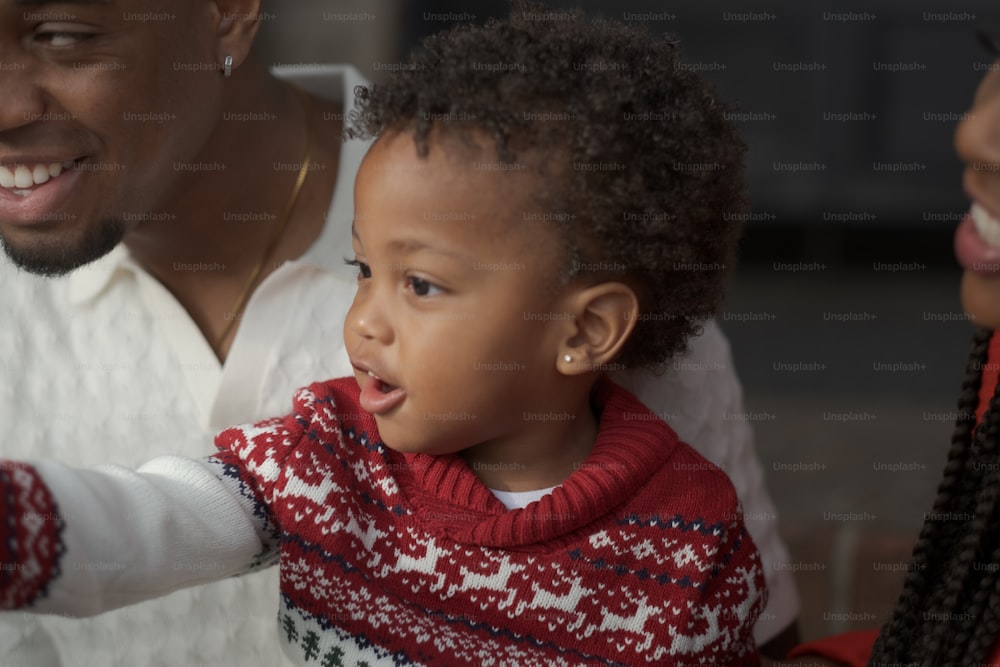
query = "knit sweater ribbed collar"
x=449 y=499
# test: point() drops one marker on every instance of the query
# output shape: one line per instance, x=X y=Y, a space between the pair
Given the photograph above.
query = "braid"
x=971 y=579
x=984 y=612
x=971 y=518
x=980 y=621
x=964 y=581
x=912 y=633
x=959 y=451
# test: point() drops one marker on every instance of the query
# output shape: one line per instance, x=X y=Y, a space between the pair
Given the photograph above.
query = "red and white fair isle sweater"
x=640 y=557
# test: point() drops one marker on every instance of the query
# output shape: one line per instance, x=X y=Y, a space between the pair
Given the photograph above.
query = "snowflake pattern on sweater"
x=640 y=557
x=30 y=548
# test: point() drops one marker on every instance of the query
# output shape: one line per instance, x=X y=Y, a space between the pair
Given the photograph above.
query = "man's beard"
x=53 y=259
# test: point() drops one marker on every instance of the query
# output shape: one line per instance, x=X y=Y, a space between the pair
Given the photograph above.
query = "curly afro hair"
x=652 y=183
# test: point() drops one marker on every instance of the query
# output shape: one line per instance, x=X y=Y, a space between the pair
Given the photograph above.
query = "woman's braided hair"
x=949 y=611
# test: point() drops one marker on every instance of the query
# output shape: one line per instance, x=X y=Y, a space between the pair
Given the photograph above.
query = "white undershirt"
x=516 y=500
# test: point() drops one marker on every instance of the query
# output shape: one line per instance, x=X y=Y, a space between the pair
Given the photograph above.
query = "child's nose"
x=367 y=318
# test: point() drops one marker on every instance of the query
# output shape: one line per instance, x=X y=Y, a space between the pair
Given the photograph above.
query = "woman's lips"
x=972 y=250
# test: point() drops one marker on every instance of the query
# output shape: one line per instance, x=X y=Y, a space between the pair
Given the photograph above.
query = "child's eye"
x=421 y=287
x=364 y=271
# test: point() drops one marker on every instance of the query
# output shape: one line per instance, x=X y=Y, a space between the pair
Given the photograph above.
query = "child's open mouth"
x=381 y=384
x=379 y=396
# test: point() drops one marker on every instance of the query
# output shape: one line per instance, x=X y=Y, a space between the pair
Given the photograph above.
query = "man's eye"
x=61 y=37
x=421 y=287
x=58 y=39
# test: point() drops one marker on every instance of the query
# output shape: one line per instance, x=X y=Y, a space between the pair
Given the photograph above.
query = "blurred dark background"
x=844 y=317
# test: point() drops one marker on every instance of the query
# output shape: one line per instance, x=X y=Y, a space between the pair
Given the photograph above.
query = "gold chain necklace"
x=279 y=231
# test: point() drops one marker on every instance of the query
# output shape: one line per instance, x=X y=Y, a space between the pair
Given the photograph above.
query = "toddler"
x=546 y=200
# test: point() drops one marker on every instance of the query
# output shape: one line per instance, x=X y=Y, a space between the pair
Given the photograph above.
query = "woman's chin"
x=981 y=298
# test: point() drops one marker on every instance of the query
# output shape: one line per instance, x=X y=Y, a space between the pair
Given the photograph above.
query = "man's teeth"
x=987 y=226
x=23 y=176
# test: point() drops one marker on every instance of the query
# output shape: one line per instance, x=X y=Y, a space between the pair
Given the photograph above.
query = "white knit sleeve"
x=128 y=536
x=701 y=398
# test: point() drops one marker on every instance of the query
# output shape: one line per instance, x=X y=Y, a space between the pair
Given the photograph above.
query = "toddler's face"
x=452 y=330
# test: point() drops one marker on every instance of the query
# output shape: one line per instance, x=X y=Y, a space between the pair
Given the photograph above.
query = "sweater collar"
x=632 y=444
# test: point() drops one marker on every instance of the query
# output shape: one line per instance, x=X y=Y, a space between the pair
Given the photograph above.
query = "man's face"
x=105 y=105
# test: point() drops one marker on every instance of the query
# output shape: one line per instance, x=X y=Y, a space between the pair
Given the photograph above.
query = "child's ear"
x=237 y=22
x=605 y=317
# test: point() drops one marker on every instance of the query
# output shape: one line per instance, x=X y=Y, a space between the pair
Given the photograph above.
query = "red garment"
x=854 y=648
x=639 y=557
x=850 y=648
x=991 y=372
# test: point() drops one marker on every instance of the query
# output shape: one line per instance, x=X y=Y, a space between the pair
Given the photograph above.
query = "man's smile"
x=19 y=178
x=33 y=192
